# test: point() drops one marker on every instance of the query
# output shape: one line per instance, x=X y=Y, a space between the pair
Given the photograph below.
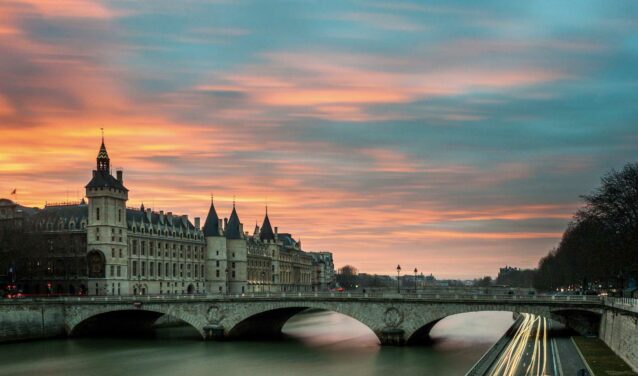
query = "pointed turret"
x=211 y=226
x=103 y=160
x=102 y=177
x=266 y=232
x=233 y=228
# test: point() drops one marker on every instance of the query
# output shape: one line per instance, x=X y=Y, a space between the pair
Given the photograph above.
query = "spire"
x=233 y=230
x=266 y=229
x=211 y=226
x=103 y=161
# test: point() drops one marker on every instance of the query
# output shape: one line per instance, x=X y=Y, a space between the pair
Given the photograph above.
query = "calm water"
x=323 y=343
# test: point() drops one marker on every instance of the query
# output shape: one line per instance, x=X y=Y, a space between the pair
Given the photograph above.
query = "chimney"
x=225 y=222
x=197 y=223
x=241 y=228
x=120 y=176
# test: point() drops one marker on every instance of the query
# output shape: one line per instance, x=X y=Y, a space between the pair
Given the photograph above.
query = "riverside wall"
x=619 y=330
x=27 y=321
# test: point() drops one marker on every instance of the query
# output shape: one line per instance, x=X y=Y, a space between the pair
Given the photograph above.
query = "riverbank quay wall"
x=396 y=319
x=619 y=329
x=23 y=320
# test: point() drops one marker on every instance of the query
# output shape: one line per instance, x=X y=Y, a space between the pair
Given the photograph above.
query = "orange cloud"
x=68 y=8
x=348 y=86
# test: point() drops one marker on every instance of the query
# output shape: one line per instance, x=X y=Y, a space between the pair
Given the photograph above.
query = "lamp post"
x=415 y=271
x=398 y=280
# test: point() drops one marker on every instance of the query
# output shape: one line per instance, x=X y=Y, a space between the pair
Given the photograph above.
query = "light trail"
x=528 y=350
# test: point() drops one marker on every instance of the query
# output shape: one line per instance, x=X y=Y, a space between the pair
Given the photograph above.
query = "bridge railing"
x=630 y=304
x=576 y=299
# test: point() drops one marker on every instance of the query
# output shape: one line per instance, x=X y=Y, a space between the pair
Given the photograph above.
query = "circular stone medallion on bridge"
x=215 y=314
x=392 y=317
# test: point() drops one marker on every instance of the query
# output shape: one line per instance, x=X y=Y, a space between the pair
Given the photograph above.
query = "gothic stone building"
x=102 y=247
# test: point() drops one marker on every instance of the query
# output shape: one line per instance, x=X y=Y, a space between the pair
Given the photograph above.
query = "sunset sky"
x=455 y=138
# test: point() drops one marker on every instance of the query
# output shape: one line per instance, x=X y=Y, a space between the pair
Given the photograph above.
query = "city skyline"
x=370 y=130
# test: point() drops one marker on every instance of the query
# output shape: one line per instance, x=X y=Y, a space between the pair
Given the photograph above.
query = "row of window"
x=153 y=248
x=152 y=231
x=156 y=269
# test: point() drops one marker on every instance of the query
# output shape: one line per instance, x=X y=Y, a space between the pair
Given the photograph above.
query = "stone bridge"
x=395 y=319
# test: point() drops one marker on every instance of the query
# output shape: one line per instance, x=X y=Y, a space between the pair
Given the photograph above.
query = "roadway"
x=534 y=350
x=529 y=352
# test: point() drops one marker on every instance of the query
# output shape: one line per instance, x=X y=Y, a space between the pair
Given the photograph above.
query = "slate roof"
x=106 y=180
x=266 y=232
x=140 y=217
x=64 y=213
x=286 y=239
x=211 y=226
x=232 y=228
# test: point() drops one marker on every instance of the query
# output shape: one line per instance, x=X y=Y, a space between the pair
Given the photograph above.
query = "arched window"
x=96 y=264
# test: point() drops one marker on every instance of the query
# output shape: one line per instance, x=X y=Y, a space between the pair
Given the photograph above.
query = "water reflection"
x=323 y=343
x=322 y=328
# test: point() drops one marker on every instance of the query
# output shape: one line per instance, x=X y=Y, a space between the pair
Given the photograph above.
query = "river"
x=321 y=343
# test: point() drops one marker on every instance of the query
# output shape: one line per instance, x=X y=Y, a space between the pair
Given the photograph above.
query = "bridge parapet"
x=394 y=318
x=549 y=299
x=625 y=304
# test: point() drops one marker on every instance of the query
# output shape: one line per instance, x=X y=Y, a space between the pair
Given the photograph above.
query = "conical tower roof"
x=211 y=226
x=102 y=154
x=266 y=232
x=232 y=230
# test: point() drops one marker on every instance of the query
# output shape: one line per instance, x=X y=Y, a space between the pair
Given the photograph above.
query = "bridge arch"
x=417 y=330
x=259 y=321
x=121 y=318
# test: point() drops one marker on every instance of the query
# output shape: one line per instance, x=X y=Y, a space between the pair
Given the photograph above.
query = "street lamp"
x=415 y=271
x=398 y=283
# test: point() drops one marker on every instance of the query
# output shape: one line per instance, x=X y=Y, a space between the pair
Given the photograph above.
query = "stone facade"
x=266 y=261
x=103 y=247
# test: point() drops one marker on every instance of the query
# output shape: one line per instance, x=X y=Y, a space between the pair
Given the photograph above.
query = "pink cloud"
x=348 y=86
x=66 y=8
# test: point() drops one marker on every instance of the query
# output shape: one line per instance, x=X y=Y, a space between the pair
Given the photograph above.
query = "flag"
x=14 y=191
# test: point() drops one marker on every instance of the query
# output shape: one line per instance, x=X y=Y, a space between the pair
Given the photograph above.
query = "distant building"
x=515 y=277
x=103 y=247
